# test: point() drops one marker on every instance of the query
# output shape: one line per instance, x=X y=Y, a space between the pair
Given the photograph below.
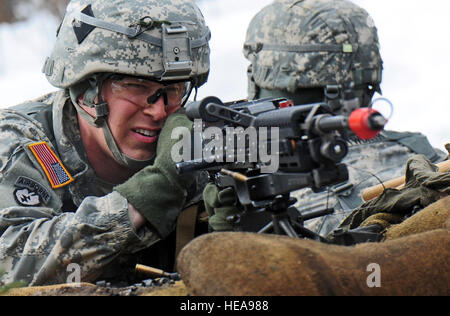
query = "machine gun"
x=309 y=142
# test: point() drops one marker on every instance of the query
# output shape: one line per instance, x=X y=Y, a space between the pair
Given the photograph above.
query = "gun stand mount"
x=270 y=193
x=283 y=224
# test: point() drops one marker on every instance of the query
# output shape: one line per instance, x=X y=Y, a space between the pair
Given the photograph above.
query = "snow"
x=414 y=44
x=23 y=48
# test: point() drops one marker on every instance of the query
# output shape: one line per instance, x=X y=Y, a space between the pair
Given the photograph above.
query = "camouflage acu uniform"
x=81 y=223
x=298 y=48
x=46 y=226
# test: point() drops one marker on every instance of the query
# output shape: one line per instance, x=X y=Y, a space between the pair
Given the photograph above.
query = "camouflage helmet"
x=161 y=40
x=157 y=39
x=305 y=44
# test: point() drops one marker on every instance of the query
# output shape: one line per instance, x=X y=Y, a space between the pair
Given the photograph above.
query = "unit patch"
x=52 y=166
x=30 y=193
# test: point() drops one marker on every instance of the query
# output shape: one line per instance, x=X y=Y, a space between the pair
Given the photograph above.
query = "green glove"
x=424 y=186
x=220 y=205
x=157 y=191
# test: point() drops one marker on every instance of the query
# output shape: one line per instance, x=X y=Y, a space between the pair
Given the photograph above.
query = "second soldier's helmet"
x=294 y=45
x=164 y=40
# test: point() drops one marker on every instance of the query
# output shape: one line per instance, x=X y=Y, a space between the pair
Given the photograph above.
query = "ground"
x=87 y=289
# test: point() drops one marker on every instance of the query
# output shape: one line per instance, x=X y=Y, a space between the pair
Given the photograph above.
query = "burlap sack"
x=246 y=264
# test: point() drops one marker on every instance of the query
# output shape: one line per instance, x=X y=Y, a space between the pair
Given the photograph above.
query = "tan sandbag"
x=430 y=218
x=382 y=219
x=246 y=264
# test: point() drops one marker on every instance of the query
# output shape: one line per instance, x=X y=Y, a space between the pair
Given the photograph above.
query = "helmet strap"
x=90 y=93
x=252 y=89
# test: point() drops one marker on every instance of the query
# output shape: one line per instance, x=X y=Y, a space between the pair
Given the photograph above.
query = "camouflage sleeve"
x=37 y=245
x=39 y=242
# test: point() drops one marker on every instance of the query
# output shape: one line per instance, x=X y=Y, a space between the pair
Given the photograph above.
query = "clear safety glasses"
x=145 y=93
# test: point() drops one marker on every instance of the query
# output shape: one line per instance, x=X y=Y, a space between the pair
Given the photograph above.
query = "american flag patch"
x=52 y=166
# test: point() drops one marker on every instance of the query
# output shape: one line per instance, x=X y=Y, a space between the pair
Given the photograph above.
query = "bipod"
x=284 y=223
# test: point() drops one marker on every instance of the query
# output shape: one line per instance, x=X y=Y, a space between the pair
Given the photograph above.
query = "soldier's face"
x=134 y=123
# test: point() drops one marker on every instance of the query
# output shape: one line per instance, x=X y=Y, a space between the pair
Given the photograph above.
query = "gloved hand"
x=424 y=186
x=157 y=191
x=219 y=205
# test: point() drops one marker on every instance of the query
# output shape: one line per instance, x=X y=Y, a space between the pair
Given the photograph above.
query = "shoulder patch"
x=57 y=174
x=30 y=192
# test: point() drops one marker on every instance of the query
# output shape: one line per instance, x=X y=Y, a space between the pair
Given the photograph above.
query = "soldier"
x=309 y=51
x=312 y=51
x=86 y=176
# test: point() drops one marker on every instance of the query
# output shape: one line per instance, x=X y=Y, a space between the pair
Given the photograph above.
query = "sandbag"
x=247 y=264
x=430 y=218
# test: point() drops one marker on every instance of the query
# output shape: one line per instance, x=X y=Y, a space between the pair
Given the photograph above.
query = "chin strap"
x=101 y=120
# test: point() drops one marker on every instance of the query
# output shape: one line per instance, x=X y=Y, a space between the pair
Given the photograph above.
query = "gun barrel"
x=315 y=214
x=366 y=123
x=332 y=123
